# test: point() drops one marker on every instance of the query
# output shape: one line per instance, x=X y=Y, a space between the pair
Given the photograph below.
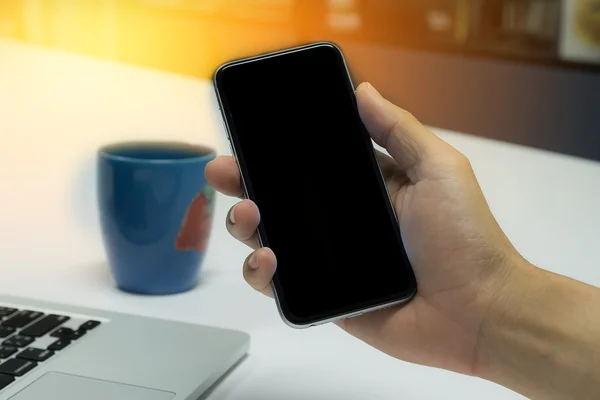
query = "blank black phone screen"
x=308 y=163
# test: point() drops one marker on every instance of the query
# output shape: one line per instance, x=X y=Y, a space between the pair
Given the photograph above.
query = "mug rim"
x=204 y=153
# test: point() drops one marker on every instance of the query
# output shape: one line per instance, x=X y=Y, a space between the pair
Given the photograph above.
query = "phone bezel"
x=397 y=299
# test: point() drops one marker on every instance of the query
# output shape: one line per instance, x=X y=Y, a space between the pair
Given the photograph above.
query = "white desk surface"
x=56 y=109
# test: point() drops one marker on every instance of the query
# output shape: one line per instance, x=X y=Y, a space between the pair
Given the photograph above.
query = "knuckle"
x=406 y=116
x=459 y=162
x=406 y=119
x=462 y=161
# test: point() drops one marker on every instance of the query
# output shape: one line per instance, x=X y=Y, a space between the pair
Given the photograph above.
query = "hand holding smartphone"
x=308 y=163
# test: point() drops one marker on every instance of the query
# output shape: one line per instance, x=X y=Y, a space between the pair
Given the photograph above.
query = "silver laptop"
x=59 y=352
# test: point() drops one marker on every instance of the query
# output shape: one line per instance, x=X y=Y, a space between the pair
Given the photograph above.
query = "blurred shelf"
x=481 y=50
x=282 y=17
x=192 y=36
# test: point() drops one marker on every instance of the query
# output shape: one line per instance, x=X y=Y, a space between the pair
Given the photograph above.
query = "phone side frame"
x=232 y=146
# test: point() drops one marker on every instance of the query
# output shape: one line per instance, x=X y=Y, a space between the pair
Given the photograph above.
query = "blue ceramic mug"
x=155 y=209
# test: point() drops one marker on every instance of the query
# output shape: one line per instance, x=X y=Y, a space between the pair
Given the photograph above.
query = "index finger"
x=223 y=174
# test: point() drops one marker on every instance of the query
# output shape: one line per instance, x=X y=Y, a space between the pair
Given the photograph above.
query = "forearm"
x=541 y=337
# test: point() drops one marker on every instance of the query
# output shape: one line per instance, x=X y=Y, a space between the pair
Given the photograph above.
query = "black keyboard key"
x=6 y=380
x=7 y=351
x=62 y=333
x=6 y=331
x=89 y=325
x=17 y=367
x=59 y=344
x=77 y=334
x=6 y=311
x=34 y=354
x=22 y=318
x=18 y=341
x=44 y=325
x=68 y=333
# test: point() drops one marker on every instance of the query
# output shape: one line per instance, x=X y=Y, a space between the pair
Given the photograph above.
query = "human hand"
x=460 y=256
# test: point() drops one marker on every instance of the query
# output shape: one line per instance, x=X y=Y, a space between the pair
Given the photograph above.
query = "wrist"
x=503 y=299
x=539 y=335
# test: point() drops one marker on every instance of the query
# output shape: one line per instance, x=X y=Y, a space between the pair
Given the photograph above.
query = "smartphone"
x=308 y=163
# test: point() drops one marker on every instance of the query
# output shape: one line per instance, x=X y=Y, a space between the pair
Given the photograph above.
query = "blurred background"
x=523 y=71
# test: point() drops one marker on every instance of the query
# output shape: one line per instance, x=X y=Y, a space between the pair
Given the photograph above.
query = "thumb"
x=402 y=135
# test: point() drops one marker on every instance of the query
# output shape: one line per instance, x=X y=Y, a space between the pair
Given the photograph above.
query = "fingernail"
x=372 y=89
x=231 y=215
x=374 y=94
x=253 y=262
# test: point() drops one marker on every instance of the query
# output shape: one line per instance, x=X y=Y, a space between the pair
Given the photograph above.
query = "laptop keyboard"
x=30 y=338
